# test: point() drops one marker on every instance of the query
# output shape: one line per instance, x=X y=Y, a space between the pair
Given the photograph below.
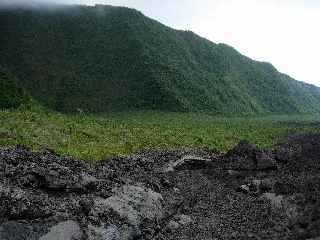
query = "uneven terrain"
x=246 y=193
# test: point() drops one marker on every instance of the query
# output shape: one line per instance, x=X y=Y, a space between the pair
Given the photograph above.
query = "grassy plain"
x=93 y=137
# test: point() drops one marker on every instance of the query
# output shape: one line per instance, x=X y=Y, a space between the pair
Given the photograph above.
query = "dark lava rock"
x=248 y=157
x=46 y=196
x=299 y=152
x=46 y=171
x=103 y=233
x=16 y=203
x=14 y=230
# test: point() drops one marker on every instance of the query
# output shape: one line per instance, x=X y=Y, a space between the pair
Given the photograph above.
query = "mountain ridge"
x=107 y=58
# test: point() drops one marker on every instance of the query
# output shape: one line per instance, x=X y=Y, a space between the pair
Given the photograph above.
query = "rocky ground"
x=246 y=193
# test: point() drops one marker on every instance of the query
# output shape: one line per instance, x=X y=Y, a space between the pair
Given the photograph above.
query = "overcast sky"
x=283 y=32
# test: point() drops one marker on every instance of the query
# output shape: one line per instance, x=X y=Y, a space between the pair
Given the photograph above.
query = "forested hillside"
x=107 y=58
x=11 y=96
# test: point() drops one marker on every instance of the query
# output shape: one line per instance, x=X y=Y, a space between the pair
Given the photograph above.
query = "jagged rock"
x=275 y=200
x=46 y=170
x=259 y=186
x=264 y=184
x=16 y=203
x=183 y=219
x=165 y=182
x=131 y=197
x=280 y=202
x=265 y=161
x=188 y=162
x=248 y=157
x=68 y=230
x=234 y=173
x=13 y=230
x=60 y=178
x=244 y=189
x=173 y=225
x=103 y=233
x=179 y=221
x=129 y=233
x=133 y=203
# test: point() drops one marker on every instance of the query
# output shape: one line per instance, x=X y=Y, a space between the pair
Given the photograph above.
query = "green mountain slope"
x=107 y=58
x=11 y=96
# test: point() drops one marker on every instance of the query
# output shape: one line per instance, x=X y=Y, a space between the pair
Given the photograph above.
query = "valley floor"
x=94 y=137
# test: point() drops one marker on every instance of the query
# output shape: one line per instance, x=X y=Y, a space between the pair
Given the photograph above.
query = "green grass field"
x=94 y=137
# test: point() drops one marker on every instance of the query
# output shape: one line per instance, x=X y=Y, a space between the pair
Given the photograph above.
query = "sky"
x=285 y=33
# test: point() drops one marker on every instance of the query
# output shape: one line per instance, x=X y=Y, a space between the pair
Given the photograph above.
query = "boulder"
x=284 y=203
x=60 y=178
x=46 y=171
x=69 y=230
x=103 y=233
x=132 y=203
x=173 y=225
x=247 y=157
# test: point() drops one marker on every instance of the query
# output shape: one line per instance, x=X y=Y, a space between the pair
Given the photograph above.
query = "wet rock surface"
x=247 y=193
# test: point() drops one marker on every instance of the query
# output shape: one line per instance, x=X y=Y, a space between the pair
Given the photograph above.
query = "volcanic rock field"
x=246 y=193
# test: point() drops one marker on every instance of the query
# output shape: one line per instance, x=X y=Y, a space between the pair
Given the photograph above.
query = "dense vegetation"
x=97 y=136
x=11 y=96
x=109 y=59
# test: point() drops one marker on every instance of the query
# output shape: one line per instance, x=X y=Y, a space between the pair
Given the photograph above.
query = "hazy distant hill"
x=109 y=59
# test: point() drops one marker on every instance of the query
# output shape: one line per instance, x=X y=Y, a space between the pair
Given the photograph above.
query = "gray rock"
x=87 y=182
x=173 y=225
x=61 y=178
x=69 y=230
x=284 y=203
x=129 y=233
x=275 y=200
x=183 y=219
x=179 y=221
x=234 y=173
x=188 y=162
x=102 y=233
x=248 y=157
x=16 y=203
x=244 y=189
x=19 y=231
x=132 y=203
x=263 y=185
x=265 y=161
